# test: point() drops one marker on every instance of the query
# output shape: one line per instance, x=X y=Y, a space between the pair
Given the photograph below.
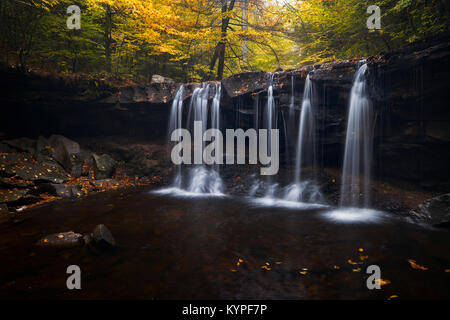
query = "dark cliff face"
x=409 y=90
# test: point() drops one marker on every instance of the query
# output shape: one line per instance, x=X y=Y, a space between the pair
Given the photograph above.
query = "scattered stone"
x=12 y=195
x=66 y=191
x=26 y=168
x=104 y=166
x=435 y=211
x=102 y=237
x=64 y=240
x=41 y=171
x=10 y=161
x=105 y=183
x=14 y=182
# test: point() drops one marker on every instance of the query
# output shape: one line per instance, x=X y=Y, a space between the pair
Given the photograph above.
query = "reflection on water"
x=189 y=248
x=352 y=215
x=275 y=202
x=177 y=192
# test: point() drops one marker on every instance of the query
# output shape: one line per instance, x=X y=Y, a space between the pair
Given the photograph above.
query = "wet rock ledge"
x=37 y=171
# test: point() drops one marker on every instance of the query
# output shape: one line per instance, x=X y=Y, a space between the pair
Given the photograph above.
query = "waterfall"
x=358 y=145
x=306 y=135
x=305 y=149
x=200 y=180
x=297 y=193
x=215 y=110
x=270 y=110
x=203 y=180
x=175 y=122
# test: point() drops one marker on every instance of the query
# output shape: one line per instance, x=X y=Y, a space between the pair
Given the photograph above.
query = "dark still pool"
x=173 y=247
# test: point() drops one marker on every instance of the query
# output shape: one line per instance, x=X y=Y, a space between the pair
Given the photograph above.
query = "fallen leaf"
x=414 y=265
x=353 y=262
x=382 y=282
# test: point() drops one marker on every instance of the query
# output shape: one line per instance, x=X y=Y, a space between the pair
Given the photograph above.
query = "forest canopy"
x=196 y=40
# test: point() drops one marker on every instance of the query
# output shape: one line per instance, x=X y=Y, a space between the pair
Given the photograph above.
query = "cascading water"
x=305 y=149
x=306 y=137
x=215 y=109
x=270 y=110
x=201 y=180
x=175 y=122
x=355 y=189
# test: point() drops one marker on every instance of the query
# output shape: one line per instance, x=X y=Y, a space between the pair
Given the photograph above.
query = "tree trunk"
x=219 y=52
x=244 y=30
x=108 y=27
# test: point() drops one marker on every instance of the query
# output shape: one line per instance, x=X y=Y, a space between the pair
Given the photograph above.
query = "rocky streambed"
x=37 y=171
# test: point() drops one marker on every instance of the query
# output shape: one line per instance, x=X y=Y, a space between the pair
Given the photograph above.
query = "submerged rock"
x=63 y=240
x=102 y=237
x=435 y=211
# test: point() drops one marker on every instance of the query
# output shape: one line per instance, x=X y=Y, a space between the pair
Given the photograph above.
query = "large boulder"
x=104 y=166
x=435 y=211
x=41 y=172
x=67 y=153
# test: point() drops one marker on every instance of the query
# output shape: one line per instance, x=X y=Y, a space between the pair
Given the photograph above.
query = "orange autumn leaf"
x=382 y=282
x=414 y=265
